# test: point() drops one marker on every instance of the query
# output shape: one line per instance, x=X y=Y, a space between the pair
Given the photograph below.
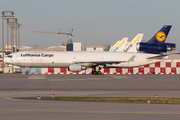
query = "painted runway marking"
x=97 y=78
x=56 y=111
x=117 y=77
x=37 y=77
x=52 y=80
x=77 y=79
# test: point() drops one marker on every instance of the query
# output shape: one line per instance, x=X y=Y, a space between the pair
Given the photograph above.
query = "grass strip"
x=123 y=99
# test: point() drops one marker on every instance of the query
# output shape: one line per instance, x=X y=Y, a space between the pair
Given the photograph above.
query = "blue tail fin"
x=156 y=44
x=161 y=35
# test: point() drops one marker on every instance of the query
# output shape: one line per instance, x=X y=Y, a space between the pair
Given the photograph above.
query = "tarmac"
x=18 y=85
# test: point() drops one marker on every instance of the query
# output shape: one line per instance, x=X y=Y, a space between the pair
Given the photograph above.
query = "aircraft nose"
x=7 y=60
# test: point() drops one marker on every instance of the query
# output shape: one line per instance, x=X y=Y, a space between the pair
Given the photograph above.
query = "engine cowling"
x=76 y=67
x=146 y=47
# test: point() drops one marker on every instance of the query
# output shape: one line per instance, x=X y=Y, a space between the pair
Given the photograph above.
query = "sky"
x=94 y=22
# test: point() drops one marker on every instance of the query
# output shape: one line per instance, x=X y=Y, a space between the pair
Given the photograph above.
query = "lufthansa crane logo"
x=161 y=36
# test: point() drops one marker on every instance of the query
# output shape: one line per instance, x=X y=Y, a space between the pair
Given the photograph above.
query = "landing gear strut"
x=96 y=71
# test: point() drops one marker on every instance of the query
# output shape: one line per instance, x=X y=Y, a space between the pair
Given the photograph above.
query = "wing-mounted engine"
x=76 y=67
x=155 y=48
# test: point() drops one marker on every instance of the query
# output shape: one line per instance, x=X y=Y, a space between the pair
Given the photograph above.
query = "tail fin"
x=110 y=49
x=119 y=45
x=161 y=35
x=114 y=46
x=131 y=47
x=122 y=44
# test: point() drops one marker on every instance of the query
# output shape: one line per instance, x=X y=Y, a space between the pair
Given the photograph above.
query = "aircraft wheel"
x=93 y=73
x=27 y=72
x=99 y=72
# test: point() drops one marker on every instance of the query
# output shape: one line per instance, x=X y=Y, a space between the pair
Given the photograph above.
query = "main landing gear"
x=96 y=71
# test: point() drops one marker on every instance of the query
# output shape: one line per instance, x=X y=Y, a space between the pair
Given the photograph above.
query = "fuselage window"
x=9 y=56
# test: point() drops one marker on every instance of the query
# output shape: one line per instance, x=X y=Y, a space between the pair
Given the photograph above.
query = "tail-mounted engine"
x=155 y=48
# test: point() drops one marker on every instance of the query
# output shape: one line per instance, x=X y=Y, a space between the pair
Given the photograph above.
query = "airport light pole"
x=5 y=15
x=14 y=26
x=7 y=35
x=12 y=35
x=2 y=15
x=19 y=26
x=16 y=37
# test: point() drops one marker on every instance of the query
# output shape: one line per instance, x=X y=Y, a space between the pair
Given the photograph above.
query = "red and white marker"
x=52 y=95
x=156 y=96
x=148 y=101
x=39 y=97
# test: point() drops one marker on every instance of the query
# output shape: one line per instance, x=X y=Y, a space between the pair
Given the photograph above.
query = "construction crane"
x=65 y=33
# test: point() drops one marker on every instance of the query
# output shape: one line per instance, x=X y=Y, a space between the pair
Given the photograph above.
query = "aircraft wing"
x=103 y=63
x=96 y=63
x=157 y=57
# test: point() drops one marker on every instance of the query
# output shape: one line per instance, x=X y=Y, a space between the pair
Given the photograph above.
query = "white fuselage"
x=63 y=59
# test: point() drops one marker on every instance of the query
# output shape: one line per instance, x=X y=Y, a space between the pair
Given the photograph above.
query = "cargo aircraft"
x=78 y=61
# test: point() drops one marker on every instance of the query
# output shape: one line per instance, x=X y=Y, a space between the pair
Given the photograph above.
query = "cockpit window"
x=9 y=56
